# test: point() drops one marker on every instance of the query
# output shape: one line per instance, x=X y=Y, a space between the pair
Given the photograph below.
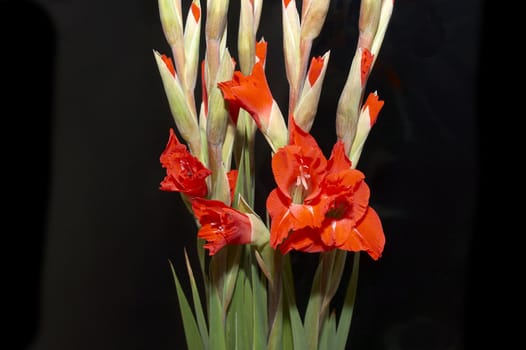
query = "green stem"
x=344 y=323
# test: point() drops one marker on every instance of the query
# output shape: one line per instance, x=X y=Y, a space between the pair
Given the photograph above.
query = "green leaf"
x=201 y=322
x=230 y=273
x=288 y=341
x=243 y=150
x=244 y=207
x=344 y=323
x=275 y=341
x=235 y=314
x=298 y=333
x=216 y=337
x=248 y=152
x=201 y=257
x=259 y=309
x=334 y=278
x=312 y=314
x=217 y=268
x=246 y=321
x=328 y=333
x=191 y=331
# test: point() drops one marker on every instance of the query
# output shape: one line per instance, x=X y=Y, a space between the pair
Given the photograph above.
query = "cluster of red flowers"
x=318 y=204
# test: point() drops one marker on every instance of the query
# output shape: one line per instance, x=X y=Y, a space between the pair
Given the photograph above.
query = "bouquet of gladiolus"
x=319 y=205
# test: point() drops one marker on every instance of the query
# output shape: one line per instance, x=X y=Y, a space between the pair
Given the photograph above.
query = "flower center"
x=304 y=176
x=337 y=210
x=186 y=167
x=301 y=186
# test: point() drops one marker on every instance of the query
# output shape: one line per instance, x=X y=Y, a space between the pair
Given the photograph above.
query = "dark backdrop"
x=86 y=120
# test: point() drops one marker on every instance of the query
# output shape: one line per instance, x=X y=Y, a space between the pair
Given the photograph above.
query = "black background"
x=85 y=120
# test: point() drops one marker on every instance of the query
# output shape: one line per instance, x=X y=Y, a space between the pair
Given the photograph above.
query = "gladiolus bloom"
x=184 y=172
x=332 y=211
x=221 y=224
x=252 y=93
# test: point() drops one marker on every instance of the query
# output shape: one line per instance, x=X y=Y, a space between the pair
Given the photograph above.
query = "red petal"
x=360 y=201
x=196 y=11
x=169 y=64
x=371 y=233
x=251 y=93
x=301 y=138
x=261 y=51
x=285 y=167
x=277 y=203
x=344 y=181
x=220 y=224
x=375 y=105
x=365 y=64
x=277 y=207
x=316 y=66
x=171 y=145
x=203 y=208
x=338 y=233
x=306 y=240
x=338 y=160
x=302 y=160
x=288 y=217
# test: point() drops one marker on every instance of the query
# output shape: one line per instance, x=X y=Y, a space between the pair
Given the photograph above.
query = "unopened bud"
x=171 y=20
x=368 y=22
x=313 y=19
x=216 y=18
x=185 y=121
x=308 y=104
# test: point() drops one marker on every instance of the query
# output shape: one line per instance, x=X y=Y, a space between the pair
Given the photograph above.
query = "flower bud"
x=368 y=116
x=218 y=116
x=368 y=22
x=192 y=38
x=246 y=37
x=385 y=17
x=291 y=41
x=185 y=121
x=313 y=19
x=348 y=109
x=216 y=18
x=171 y=20
x=307 y=106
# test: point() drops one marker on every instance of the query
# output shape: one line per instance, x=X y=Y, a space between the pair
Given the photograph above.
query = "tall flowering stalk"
x=319 y=205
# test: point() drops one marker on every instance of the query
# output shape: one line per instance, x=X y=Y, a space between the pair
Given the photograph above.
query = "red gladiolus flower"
x=221 y=224
x=332 y=210
x=350 y=224
x=184 y=172
x=250 y=92
x=299 y=169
